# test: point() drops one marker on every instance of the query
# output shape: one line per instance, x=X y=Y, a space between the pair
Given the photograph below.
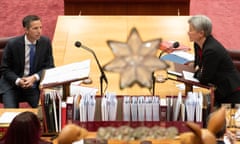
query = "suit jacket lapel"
x=21 y=51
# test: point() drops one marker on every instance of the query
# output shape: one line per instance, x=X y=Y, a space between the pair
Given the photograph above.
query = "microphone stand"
x=103 y=76
x=174 y=45
x=153 y=84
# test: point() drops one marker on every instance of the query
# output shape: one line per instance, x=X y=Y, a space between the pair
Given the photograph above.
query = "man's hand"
x=27 y=82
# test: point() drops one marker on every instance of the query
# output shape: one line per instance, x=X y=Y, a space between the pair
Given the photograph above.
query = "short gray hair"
x=201 y=23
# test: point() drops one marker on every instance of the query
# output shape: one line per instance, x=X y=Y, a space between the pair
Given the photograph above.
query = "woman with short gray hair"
x=212 y=62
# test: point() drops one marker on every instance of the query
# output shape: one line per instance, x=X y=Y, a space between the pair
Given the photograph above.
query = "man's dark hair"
x=28 y=19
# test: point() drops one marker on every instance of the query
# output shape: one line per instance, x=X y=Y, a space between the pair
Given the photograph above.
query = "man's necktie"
x=31 y=58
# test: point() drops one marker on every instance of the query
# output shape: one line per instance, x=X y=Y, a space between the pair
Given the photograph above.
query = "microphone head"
x=78 y=44
x=176 y=44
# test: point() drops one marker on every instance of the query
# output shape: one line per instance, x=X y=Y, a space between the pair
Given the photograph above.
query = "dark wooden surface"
x=126 y=7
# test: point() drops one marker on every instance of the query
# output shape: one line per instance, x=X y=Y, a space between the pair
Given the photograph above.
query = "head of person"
x=24 y=128
x=222 y=131
x=71 y=133
x=198 y=135
x=33 y=27
x=200 y=27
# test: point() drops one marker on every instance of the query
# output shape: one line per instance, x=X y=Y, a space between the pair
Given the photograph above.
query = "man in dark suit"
x=213 y=63
x=24 y=59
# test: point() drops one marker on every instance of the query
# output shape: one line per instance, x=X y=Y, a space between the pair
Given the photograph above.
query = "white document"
x=182 y=112
x=134 y=108
x=189 y=76
x=104 y=109
x=126 y=108
x=91 y=107
x=112 y=101
x=7 y=117
x=191 y=105
x=177 y=107
x=149 y=108
x=155 y=107
x=69 y=72
x=199 y=106
x=59 y=96
x=53 y=98
x=141 y=108
x=83 y=108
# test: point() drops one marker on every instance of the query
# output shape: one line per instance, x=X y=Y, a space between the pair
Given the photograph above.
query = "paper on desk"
x=191 y=105
x=177 y=107
x=104 y=109
x=134 y=110
x=83 y=108
x=112 y=106
x=87 y=103
x=199 y=106
x=7 y=117
x=141 y=108
x=181 y=86
x=189 y=76
x=67 y=72
x=126 y=108
x=53 y=99
x=155 y=108
x=91 y=107
x=182 y=112
x=81 y=90
x=149 y=108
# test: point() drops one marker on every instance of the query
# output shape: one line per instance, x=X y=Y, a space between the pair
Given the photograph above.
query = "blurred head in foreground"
x=71 y=133
x=25 y=128
x=205 y=135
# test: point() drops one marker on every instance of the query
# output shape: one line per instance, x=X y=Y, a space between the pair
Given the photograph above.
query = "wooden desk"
x=94 y=31
x=2 y=110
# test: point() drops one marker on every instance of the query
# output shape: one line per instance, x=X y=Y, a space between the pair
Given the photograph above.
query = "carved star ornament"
x=135 y=60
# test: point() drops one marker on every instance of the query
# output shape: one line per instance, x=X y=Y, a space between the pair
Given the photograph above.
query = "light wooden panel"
x=94 y=31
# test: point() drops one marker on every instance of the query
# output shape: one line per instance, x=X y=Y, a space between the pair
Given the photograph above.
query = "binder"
x=69 y=109
x=63 y=114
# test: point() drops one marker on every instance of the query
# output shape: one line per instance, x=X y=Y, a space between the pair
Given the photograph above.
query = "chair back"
x=3 y=42
x=235 y=55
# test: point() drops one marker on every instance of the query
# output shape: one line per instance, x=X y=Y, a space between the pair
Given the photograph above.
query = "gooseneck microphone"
x=174 y=45
x=103 y=76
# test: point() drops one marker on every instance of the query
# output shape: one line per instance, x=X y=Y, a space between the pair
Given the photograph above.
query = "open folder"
x=66 y=73
x=180 y=57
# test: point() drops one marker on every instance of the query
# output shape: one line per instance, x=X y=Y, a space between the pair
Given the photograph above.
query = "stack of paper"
x=7 y=117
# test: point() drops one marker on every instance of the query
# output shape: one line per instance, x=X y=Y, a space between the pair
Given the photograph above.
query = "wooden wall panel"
x=133 y=7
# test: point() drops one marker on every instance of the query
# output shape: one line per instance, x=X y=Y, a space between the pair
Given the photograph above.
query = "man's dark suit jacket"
x=217 y=68
x=13 y=61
